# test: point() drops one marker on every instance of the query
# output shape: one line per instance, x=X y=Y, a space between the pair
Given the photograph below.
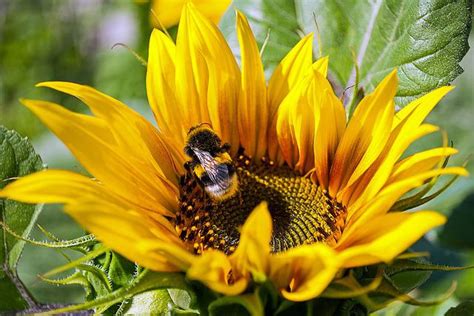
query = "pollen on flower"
x=302 y=212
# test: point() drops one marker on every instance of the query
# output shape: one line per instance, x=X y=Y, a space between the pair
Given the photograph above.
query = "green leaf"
x=408 y=274
x=425 y=40
x=157 y=301
x=410 y=280
x=457 y=232
x=342 y=26
x=11 y=299
x=180 y=298
x=465 y=308
x=161 y=302
x=465 y=288
x=17 y=159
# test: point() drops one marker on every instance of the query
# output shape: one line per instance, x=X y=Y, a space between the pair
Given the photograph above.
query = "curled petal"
x=214 y=269
x=304 y=272
x=254 y=246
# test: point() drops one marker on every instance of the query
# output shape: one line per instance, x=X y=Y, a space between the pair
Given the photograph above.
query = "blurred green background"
x=72 y=40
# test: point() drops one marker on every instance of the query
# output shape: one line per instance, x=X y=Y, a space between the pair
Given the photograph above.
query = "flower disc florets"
x=302 y=212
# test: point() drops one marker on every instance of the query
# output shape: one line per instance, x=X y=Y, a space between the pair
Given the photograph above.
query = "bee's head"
x=203 y=138
x=199 y=126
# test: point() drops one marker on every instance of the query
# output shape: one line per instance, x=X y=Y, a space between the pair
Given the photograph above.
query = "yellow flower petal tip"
x=260 y=217
x=32 y=104
x=167 y=13
x=322 y=65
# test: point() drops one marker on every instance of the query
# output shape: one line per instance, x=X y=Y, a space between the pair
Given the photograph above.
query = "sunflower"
x=317 y=192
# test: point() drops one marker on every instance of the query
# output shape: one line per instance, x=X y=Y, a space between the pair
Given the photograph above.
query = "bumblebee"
x=211 y=163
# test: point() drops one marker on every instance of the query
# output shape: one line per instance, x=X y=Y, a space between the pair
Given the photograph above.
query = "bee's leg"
x=225 y=147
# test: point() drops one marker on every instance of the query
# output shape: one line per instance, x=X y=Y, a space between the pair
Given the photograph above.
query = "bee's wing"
x=218 y=173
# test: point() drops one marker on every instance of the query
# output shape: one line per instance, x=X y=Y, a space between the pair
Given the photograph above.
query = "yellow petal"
x=421 y=107
x=358 y=218
x=133 y=133
x=376 y=176
x=302 y=273
x=253 y=108
x=385 y=237
x=365 y=136
x=291 y=69
x=332 y=123
x=61 y=186
x=406 y=129
x=111 y=218
x=306 y=118
x=420 y=162
x=299 y=118
x=321 y=65
x=160 y=86
x=251 y=256
x=207 y=76
x=296 y=124
x=122 y=230
x=54 y=186
x=214 y=269
x=174 y=252
x=169 y=11
x=112 y=163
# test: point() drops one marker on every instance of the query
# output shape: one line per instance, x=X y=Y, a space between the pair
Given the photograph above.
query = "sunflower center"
x=302 y=212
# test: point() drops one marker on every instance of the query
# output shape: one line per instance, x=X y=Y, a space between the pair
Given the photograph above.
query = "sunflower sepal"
x=353 y=285
x=156 y=284
x=396 y=280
